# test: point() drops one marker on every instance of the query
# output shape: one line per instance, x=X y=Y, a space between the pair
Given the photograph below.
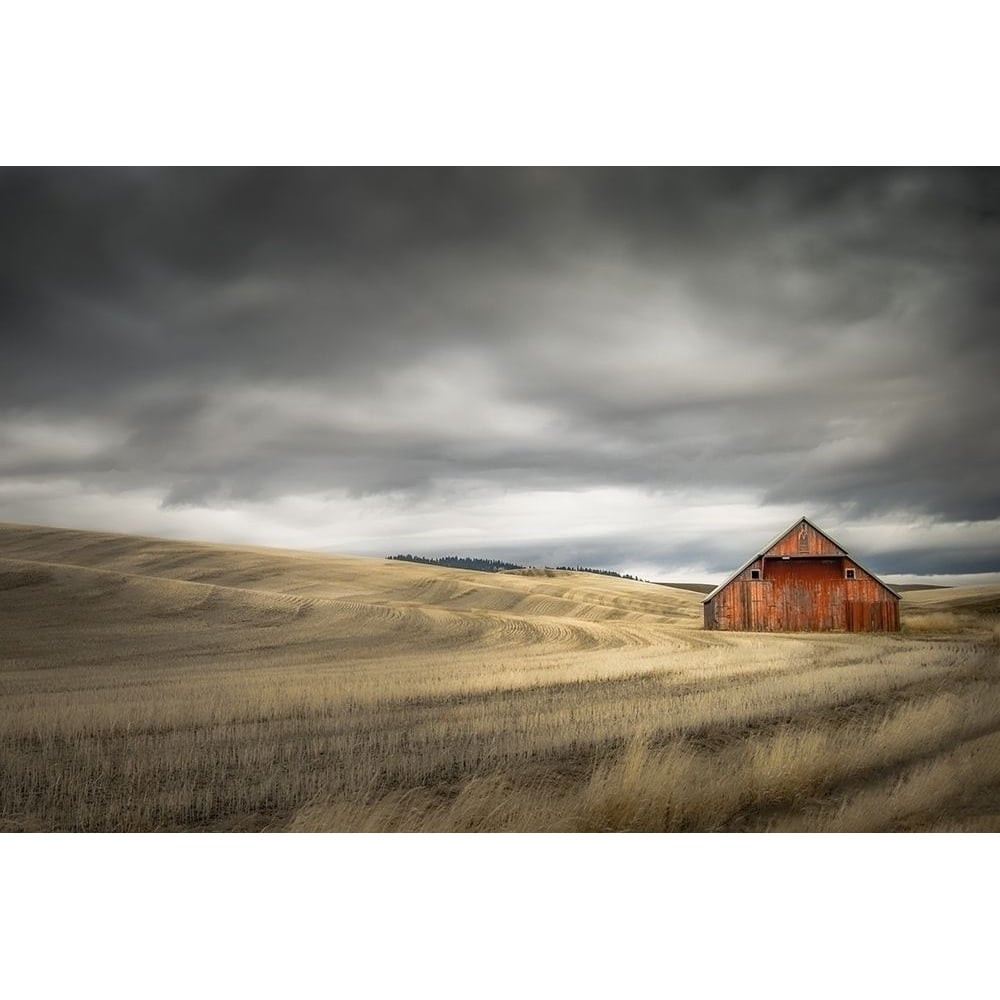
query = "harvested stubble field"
x=158 y=685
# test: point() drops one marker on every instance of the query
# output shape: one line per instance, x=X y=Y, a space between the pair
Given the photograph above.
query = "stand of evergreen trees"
x=461 y=562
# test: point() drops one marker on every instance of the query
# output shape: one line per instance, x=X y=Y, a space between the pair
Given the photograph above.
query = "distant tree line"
x=461 y=562
x=602 y=572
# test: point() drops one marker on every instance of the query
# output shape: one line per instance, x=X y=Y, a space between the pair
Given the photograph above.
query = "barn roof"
x=777 y=538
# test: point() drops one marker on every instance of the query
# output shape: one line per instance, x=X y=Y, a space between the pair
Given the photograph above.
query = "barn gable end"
x=803 y=581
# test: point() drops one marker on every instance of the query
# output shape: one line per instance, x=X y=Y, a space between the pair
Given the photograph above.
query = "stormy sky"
x=651 y=370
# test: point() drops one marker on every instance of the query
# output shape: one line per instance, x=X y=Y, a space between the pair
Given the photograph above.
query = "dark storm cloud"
x=819 y=338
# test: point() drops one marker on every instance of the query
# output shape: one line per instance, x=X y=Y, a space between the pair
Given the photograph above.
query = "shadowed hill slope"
x=984 y=599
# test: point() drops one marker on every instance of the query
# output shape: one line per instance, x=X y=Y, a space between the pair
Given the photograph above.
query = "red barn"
x=803 y=581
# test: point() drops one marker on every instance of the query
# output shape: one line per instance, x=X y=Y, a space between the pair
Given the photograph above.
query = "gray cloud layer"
x=820 y=339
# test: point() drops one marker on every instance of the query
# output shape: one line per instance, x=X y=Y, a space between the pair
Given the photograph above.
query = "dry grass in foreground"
x=152 y=685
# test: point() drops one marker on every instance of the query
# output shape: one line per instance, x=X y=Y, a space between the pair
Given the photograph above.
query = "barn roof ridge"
x=777 y=538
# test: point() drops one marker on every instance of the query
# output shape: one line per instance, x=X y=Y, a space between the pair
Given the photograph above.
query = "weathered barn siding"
x=805 y=539
x=800 y=583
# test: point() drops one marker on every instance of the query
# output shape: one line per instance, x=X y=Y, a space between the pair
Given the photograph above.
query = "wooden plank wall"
x=804 y=540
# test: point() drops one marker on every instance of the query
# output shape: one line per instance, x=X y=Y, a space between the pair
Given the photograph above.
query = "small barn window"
x=849 y=573
x=755 y=574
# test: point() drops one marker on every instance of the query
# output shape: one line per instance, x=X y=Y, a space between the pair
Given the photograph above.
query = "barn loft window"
x=849 y=573
x=755 y=574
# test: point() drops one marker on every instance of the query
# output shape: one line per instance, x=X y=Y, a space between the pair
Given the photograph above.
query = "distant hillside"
x=707 y=588
x=602 y=572
x=461 y=562
x=499 y=566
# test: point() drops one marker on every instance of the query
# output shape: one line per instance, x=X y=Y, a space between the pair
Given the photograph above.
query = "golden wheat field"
x=161 y=685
